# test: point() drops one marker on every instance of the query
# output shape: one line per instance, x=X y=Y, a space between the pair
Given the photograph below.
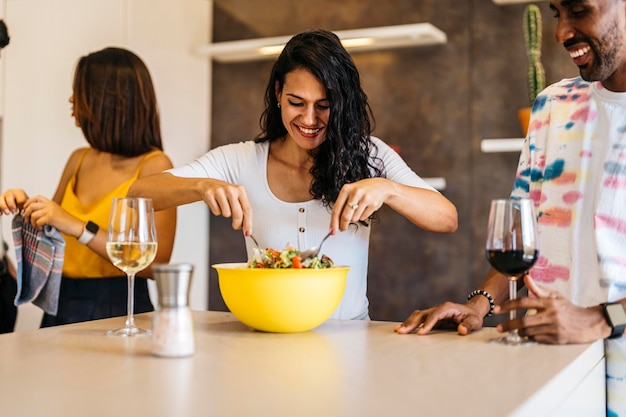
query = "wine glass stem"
x=130 y=320
x=513 y=296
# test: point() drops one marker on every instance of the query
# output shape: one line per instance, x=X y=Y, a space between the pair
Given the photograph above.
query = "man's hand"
x=552 y=318
x=464 y=316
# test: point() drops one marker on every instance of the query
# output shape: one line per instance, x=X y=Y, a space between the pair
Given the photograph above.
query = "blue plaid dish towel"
x=39 y=255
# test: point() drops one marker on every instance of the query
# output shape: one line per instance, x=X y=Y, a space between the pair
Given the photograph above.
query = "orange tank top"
x=80 y=261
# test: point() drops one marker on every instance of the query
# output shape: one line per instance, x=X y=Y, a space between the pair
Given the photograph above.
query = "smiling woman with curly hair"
x=314 y=168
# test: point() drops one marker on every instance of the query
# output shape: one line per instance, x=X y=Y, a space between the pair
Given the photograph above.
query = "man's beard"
x=606 y=59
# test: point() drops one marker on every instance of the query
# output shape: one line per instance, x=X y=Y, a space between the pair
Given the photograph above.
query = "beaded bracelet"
x=484 y=293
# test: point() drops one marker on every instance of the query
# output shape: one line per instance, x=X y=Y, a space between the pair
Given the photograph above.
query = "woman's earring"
x=279 y=105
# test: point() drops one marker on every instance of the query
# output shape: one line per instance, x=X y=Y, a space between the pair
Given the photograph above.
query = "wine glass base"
x=513 y=340
x=129 y=332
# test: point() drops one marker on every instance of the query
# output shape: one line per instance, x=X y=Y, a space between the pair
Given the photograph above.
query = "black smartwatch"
x=615 y=315
x=89 y=232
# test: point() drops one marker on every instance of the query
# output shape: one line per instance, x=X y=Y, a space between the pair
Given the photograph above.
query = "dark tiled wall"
x=435 y=103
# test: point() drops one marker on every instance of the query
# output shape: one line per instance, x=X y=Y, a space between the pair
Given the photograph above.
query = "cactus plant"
x=532 y=36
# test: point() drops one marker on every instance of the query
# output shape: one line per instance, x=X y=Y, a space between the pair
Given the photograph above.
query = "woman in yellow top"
x=114 y=104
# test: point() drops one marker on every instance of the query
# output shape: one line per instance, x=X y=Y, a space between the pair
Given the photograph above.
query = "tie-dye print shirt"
x=573 y=165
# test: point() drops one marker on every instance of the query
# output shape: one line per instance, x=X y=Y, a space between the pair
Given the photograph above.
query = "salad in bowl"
x=286 y=258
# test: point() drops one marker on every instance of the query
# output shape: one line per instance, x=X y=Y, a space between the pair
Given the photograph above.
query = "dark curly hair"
x=4 y=34
x=115 y=103
x=345 y=154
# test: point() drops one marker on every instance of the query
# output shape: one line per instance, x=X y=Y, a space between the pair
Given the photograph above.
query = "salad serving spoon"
x=261 y=251
x=314 y=251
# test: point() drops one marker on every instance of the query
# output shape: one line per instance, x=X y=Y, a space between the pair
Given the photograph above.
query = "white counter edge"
x=588 y=367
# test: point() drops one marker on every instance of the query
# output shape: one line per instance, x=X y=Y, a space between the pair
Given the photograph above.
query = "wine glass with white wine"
x=131 y=246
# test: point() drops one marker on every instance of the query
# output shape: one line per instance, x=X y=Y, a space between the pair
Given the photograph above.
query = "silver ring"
x=353 y=206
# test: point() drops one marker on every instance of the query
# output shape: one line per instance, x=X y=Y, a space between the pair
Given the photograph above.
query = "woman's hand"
x=555 y=320
x=358 y=201
x=228 y=200
x=447 y=315
x=40 y=211
x=11 y=201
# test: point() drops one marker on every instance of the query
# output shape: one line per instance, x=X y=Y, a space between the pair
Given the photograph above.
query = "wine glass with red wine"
x=512 y=248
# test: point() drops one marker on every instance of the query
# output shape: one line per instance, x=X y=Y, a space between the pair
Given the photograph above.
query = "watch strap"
x=89 y=232
x=617 y=327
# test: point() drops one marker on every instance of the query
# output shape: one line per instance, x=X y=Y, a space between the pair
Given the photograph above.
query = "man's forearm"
x=496 y=284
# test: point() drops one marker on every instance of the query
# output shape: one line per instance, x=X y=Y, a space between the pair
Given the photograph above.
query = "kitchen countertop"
x=342 y=368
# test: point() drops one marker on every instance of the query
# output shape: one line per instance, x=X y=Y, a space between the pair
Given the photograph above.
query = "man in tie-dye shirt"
x=573 y=166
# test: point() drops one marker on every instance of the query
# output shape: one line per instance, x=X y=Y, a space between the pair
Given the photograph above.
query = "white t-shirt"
x=277 y=223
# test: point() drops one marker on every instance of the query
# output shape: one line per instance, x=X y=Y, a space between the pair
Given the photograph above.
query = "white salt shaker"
x=172 y=323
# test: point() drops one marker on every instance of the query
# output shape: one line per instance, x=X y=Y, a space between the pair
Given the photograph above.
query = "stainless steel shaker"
x=172 y=322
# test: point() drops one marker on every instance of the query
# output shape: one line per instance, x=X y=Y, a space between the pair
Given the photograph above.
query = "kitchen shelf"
x=501 y=145
x=356 y=40
x=505 y=2
x=438 y=183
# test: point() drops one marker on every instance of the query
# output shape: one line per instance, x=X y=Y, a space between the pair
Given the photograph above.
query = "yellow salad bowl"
x=281 y=300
